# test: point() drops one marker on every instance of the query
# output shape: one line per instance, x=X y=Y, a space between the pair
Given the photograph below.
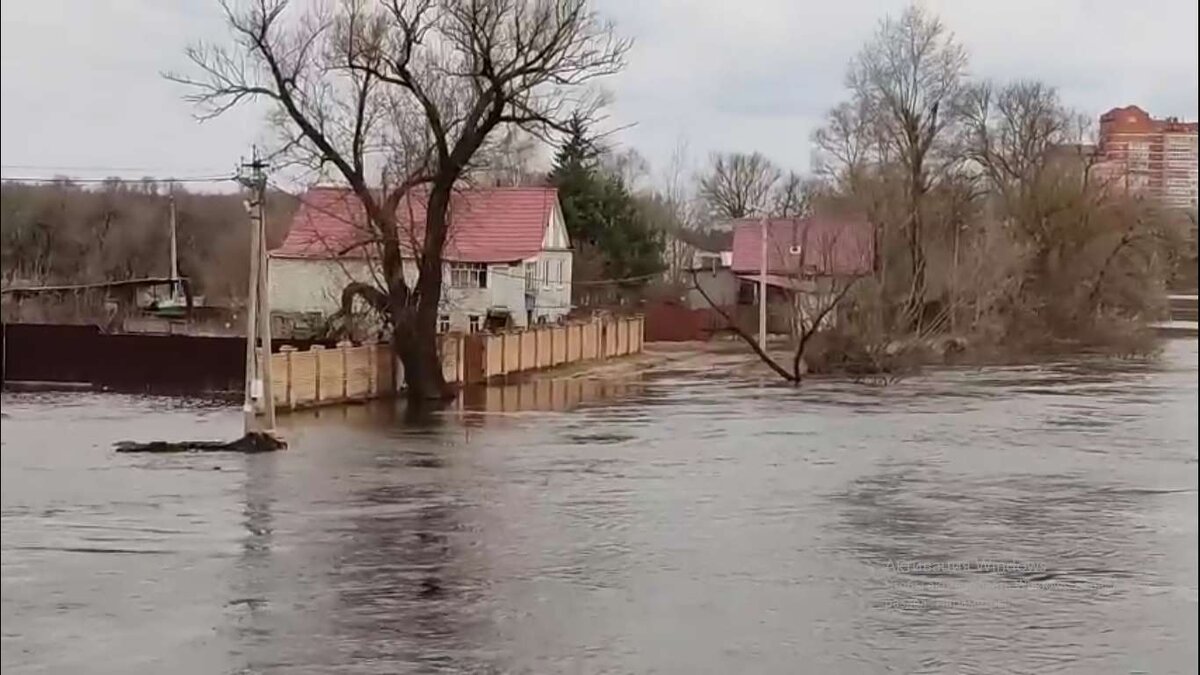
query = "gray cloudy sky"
x=82 y=95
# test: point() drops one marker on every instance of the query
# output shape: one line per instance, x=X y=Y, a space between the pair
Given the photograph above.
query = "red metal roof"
x=826 y=245
x=486 y=224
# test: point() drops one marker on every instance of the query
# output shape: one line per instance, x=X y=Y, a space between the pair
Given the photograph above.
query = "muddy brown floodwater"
x=998 y=520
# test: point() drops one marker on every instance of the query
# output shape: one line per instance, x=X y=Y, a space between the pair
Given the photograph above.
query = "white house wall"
x=555 y=237
x=551 y=297
x=306 y=285
x=310 y=285
x=505 y=290
x=721 y=285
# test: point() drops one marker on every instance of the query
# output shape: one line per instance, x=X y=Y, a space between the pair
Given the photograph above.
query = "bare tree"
x=738 y=185
x=848 y=145
x=677 y=209
x=906 y=84
x=402 y=93
x=1082 y=235
x=1015 y=132
x=510 y=161
x=793 y=196
x=818 y=268
x=628 y=165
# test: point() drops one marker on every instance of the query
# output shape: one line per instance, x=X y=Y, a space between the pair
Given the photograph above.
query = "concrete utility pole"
x=762 y=290
x=259 y=398
x=174 y=247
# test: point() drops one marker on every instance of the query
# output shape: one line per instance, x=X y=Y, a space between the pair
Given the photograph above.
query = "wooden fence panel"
x=545 y=354
x=358 y=372
x=574 y=343
x=558 y=345
x=493 y=356
x=331 y=375
x=528 y=350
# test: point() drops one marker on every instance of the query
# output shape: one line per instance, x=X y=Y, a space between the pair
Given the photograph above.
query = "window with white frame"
x=530 y=275
x=475 y=323
x=558 y=272
x=444 y=323
x=468 y=275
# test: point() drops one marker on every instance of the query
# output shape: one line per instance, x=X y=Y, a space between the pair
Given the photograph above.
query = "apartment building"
x=1145 y=155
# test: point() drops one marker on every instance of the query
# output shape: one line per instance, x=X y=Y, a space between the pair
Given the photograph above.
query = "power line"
x=41 y=180
x=92 y=168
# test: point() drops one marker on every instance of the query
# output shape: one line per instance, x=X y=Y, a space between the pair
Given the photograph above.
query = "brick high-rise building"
x=1155 y=157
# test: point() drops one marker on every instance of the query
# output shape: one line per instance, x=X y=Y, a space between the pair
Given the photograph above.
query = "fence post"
x=317 y=372
x=503 y=353
x=459 y=365
x=372 y=366
x=567 y=343
x=344 y=348
x=289 y=394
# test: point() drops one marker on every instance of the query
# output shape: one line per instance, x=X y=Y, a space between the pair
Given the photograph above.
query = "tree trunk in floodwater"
x=415 y=314
x=418 y=352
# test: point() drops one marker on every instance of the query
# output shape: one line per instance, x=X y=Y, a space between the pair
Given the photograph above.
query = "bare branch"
x=732 y=325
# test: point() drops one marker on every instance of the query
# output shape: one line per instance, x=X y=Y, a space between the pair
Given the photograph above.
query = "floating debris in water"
x=254 y=442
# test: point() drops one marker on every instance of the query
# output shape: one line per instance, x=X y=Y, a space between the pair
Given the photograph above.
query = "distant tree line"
x=989 y=216
x=992 y=217
x=67 y=233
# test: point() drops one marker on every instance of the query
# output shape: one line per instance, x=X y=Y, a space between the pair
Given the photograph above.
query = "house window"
x=558 y=271
x=468 y=275
x=530 y=275
x=475 y=322
x=444 y=323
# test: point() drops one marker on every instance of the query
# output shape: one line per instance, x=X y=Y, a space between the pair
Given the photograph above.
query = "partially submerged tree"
x=1089 y=248
x=905 y=89
x=820 y=266
x=392 y=95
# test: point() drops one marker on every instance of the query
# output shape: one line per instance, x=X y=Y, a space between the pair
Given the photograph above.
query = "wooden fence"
x=321 y=376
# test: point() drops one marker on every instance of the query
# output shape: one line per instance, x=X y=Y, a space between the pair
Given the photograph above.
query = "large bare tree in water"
x=396 y=94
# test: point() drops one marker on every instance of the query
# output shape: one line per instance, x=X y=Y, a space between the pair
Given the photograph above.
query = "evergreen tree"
x=602 y=217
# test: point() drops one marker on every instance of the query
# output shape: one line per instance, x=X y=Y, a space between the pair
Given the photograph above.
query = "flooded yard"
x=1007 y=519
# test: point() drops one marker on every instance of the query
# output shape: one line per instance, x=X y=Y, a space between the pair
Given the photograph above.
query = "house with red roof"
x=803 y=255
x=507 y=259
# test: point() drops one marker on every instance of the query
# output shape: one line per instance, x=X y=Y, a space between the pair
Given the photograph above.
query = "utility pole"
x=259 y=398
x=954 y=297
x=762 y=290
x=174 y=248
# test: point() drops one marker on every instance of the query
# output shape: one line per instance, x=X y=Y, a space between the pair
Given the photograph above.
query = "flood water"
x=1004 y=520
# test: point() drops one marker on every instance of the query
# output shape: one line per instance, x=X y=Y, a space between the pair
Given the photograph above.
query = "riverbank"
x=729 y=357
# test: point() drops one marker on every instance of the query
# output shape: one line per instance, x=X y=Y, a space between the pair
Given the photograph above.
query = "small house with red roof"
x=506 y=262
x=803 y=255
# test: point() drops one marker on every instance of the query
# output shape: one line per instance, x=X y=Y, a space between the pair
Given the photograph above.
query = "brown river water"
x=1035 y=519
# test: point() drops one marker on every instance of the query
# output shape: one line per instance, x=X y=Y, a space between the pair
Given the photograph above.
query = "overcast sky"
x=82 y=95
